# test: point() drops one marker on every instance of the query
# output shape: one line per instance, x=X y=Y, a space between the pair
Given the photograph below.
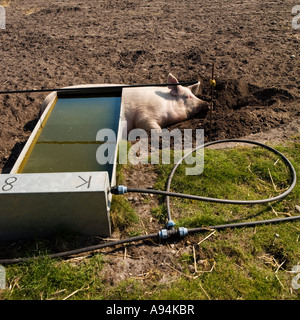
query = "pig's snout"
x=204 y=105
x=202 y=108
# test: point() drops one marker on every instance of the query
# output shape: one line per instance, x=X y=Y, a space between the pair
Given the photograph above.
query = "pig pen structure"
x=56 y=184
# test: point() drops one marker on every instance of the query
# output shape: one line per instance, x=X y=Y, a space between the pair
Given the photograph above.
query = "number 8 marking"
x=8 y=184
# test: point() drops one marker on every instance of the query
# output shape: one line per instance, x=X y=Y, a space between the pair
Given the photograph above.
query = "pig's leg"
x=147 y=124
x=154 y=126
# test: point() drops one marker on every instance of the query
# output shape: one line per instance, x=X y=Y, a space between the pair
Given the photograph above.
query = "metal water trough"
x=56 y=184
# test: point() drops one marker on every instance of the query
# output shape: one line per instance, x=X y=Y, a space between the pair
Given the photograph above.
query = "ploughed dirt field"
x=255 y=50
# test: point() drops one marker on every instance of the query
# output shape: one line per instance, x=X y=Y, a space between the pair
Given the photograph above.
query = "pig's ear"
x=195 y=88
x=172 y=79
x=174 y=89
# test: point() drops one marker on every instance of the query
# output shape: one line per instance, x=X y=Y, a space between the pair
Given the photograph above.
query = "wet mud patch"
x=241 y=109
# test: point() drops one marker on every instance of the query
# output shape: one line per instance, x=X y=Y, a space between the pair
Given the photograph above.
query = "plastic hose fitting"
x=163 y=234
x=182 y=232
x=170 y=224
x=122 y=189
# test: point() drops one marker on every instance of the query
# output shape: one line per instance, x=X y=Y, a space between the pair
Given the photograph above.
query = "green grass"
x=245 y=263
x=246 y=259
x=50 y=279
x=239 y=173
x=122 y=214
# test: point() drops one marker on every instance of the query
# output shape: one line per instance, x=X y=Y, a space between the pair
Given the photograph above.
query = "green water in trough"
x=67 y=142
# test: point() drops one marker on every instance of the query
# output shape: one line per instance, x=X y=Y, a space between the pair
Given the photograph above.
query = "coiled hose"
x=167 y=193
x=171 y=231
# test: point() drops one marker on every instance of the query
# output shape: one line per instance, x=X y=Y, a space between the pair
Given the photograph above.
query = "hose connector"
x=182 y=232
x=170 y=224
x=118 y=190
x=122 y=189
x=163 y=234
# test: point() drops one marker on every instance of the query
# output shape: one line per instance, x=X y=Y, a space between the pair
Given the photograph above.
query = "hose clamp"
x=163 y=234
x=122 y=189
x=182 y=232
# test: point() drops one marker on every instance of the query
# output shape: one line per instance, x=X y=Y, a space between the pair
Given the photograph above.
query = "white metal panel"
x=42 y=204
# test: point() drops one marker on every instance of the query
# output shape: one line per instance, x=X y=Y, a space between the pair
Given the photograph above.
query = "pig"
x=158 y=107
x=154 y=107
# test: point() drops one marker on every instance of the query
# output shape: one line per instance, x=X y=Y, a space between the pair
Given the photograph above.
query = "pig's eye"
x=188 y=97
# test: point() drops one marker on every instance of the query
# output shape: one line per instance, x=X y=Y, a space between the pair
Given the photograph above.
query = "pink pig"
x=153 y=107
x=157 y=107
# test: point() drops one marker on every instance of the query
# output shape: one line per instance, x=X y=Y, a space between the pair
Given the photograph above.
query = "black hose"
x=243 y=224
x=82 y=250
x=242 y=202
x=148 y=236
x=93 y=89
x=168 y=194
